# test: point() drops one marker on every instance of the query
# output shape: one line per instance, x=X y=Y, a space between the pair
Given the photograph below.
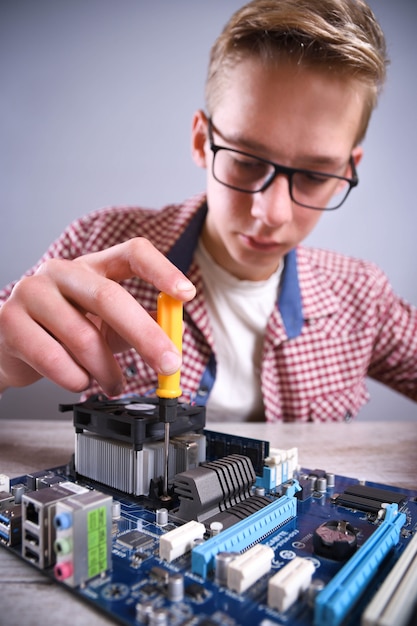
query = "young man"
x=272 y=330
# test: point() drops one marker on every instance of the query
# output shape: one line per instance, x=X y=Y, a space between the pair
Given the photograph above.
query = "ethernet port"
x=32 y=513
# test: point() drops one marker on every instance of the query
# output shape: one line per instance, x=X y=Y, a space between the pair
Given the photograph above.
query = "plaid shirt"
x=337 y=319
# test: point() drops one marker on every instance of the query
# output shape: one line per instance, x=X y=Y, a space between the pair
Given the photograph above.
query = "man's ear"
x=357 y=154
x=199 y=139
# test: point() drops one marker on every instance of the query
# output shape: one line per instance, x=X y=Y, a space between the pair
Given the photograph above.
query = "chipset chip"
x=135 y=539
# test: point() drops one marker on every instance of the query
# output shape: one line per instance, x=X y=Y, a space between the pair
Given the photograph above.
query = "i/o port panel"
x=83 y=537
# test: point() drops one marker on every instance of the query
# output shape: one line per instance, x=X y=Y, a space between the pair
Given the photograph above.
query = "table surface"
x=383 y=452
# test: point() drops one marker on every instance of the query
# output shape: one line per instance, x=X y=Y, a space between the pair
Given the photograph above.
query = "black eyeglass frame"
x=281 y=169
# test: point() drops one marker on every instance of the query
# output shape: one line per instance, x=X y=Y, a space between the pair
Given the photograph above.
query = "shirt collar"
x=289 y=299
x=319 y=299
x=182 y=252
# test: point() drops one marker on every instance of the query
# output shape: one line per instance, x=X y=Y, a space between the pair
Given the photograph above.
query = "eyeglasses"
x=251 y=174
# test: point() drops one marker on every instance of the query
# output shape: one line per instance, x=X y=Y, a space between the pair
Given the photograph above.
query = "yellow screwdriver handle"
x=169 y=317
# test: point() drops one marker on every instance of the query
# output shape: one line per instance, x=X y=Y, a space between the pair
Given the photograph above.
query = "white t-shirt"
x=239 y=312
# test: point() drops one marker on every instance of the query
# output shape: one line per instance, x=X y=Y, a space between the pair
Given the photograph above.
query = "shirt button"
x=131 y=371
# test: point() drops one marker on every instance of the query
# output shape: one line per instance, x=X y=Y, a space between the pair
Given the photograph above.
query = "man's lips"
x=260 y=243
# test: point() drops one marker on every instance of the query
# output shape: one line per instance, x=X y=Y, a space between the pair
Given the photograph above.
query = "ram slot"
x=395 y=600
x=242 y=535
x=340 y=594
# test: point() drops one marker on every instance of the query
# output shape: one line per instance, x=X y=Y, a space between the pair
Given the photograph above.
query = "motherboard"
x=244 y=535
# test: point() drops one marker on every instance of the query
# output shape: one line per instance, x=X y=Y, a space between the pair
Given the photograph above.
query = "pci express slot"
x=369 y=499
x=395 y=600
x=240 y=536
x=338 y=597
x=358 y=503
x=376 y=493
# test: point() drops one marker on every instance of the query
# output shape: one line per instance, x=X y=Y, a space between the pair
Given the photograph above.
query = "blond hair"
x=341 y=36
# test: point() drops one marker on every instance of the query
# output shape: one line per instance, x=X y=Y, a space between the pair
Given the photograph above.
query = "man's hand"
x=66 y=321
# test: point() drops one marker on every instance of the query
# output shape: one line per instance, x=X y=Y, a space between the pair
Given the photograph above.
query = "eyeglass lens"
x=249 y=174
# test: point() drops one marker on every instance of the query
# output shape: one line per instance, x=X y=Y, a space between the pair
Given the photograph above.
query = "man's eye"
x=248 y=165
x=312 y=178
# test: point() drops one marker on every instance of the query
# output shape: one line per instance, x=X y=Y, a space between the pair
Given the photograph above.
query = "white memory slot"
x=249 y=567
x=177 y=542
x=288 y=583
x=396 y=599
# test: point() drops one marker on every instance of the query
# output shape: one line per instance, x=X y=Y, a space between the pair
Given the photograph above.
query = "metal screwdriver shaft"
x=169 y=317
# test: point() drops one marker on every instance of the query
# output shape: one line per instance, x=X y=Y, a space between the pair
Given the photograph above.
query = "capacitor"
x=313 y=589
x=330 y=480
x=159 y=617
x=18 y=490
x=143 y=611
x=162 y=517
x=115 y=509
x=222 y=562
x=176 y=588
x=215 y=528
x=321 y=484
x=198 y=541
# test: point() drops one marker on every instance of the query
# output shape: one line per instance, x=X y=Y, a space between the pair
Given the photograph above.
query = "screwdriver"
x=169 y=317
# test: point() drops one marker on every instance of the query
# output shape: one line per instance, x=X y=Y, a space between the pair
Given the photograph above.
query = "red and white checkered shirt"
x=337 y=320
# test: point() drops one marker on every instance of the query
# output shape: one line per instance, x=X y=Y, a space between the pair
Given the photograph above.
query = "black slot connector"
x=368 y=499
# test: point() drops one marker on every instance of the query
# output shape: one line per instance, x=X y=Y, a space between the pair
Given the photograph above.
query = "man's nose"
x=274 y=206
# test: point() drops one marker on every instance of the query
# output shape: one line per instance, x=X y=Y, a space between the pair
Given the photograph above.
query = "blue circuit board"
x=136 y=586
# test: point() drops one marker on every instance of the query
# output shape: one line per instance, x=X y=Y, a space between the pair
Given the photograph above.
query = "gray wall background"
x=96 y=101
